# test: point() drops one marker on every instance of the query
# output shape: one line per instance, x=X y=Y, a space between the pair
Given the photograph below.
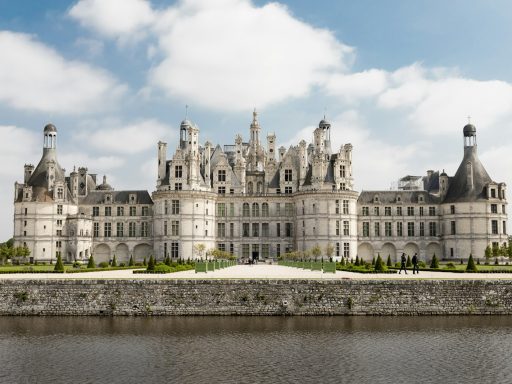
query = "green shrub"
x=379 y=265
x=168 y=261
x=91 y=263
x=144 y=262
x=357 y=261
x=131 y=263
x=408 y=264
x=471 y=267
x=422 y=264
x=151 y=264
x=162 y=268
x=103 y=264
x=77 y=264
x=122 y=265
x=450 y=266
x=373 y=261
x=388 y=263
x=114 y=261
x=59 y=267
x=434 y=264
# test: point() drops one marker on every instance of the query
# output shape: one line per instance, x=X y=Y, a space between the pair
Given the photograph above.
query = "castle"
x=258 y=202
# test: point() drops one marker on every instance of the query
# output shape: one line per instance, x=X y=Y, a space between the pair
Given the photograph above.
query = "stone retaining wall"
x=255 y=297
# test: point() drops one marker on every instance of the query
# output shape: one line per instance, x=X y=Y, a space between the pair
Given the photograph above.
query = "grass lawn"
x=50 y=268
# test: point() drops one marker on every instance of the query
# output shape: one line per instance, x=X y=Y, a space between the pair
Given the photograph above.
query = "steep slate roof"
x=458 y=189
x=118 y=197
x=40 y=174
x=389 y=197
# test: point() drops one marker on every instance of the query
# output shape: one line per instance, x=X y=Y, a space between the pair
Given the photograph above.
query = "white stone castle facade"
x=257 y=201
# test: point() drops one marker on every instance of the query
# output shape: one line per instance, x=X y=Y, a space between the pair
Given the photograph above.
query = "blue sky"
x=396 y=78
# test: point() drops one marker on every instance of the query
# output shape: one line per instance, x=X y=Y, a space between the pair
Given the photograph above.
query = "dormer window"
x=221 y=175
x=398 y=199
x=288 y=175
x=132 y=199
x=376 y=199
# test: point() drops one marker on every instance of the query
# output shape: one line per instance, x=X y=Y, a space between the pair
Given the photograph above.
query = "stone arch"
x=122 y=253
x=141 y=251
x=388 y=249
x=101 y=253
x=434 y=248
x=365 y=251
x=411 y=248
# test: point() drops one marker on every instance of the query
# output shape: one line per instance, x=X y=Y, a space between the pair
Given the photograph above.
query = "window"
x=96 y=230
x=221 y=175
x=107 y=229
x=144 y=229
x=337 y=227
x=387 y=229
x=278 y=209
x=59 y=223
x=453 y=227
x=175 y=207
x=387 y=211
x=288 y=190
x=178 y=186
x=502 y=209
x=342 y=171
x=221 y=209
x=346 y=250
x=337 y=249
x=377 y=229
x=366 y=228
x=493 y=193
x=58 y=244
x=337 y=207
x=175 y=250
x=422 y=211
x=410 y=229
x=504 y=227
x=255 y=229
x=175 y=228
x=222 y=247
x=278 y=250
x=231 y=209
x=264 y=209
x=376 y=211
x=221 y=190
x=410 y=211
x=231 y=248
x=165 y=228
x=255 y=210
x=166 y=207
x=432 y=229
x=231 y=229
x=245 y=210
x=288 y=175
x=452 y=209
x=431 y=211
x=145 y=211
x=165 y=249
x=119 y=229
x=178 y=171
x=131 y=229
x=133 y=211
x=120 y=211
x=494 y=208
x=245 y=250
x=494 y=227
x=265 y=250
x=278 y=229
x=221 y=229
x=95 y=211
x=345 y=207
x=366 y=211
x=289 y=229
x=399 y=211
x=245 y=229
x=399 y=229
x=59 y=232
x=288 y=209
x=60 y=193
x=343 y=186
x=422 y=229
x=265 y=230
x=59 y=209
x=26 y=211
x=108 y=211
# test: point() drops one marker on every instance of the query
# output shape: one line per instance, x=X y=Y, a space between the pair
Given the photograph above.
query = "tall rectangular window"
x=120 y=229
x=178 y=171
x=410 y=211
x=245 y=250
x=221 y=229
x=255 y=229
x=346 y=228
x=289 y=229
x=399 y=211
x=108 y=211
x=337 y=249
x=264 y=210
x=59 y=209
x=265 y=250
x=175 y=228
x=422 y=228
x=452 y=209
x=131 y=229
x=221 y=175
x=107 y=229
x=231 y=209
x=288 y=175
x=346 y=250
x=120 y=211
x=175 y=254
x=337 y=227
x=366 y=229
x=366 y=211
x=432 y=229
x=410 y=229
x=376 y=211
x=231 y=229
x=422 y=211
x=345 y=207
x=387 y=229
x=175 y=207
x=337 y=207
x=453 y=227
x=264 y=229
x=245 y=229
x=387 y=211
x=221 y=209
x=342 y=171
x=95 y=211
x=133 y=211
x=288 y=209
x=278 y=209
x=504 y=227
x=278 y=229
x=494 y=208
x=145 y=211
x=165 y=228
x=431 y=211
x=144 y=229
x=96 y=230
x=494 y=227
x=399 y=229
x=377 y=229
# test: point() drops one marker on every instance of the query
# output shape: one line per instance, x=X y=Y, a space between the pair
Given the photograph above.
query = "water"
x=256 y=350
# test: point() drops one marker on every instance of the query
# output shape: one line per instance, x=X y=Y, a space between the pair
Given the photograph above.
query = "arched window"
x=264 y=209
x=255 y=210
x=245 y=210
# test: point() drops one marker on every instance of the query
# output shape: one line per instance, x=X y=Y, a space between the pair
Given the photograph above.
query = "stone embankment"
x=137 y=297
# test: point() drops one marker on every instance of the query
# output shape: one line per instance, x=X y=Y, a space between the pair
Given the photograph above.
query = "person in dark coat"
x=415 y=267
x=403 y=261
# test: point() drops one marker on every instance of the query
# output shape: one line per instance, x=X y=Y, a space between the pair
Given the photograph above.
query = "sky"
x=397 y=79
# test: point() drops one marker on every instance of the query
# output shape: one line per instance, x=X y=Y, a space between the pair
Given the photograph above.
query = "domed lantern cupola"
x=469 y=132
x=50 y=137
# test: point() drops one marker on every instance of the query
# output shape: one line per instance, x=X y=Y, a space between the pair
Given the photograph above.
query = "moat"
x=255 y=349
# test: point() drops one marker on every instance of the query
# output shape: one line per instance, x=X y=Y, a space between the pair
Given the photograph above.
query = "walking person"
x=403 y=261
x=415 y=267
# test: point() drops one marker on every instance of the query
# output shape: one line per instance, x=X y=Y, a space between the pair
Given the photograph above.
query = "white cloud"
x=93 y=47
x=360 y=85
x=35 y=77
x=113 y=136
x=113 y=18
x=68 y=160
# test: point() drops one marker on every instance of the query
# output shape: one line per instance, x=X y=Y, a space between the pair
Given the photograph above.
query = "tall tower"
x=162 y=159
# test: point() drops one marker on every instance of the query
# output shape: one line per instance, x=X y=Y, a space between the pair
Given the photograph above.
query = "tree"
x=434 y=264
x=488 y=253
x=114 y=261
x=199 y=249
x=379 y=265
x=151 y=264
x=144 y=262
x=471 y=267
x=59 y=267
x=495 y=250
x=509 y=249
x=91 y=263
x=167 y=261
x=408 y=264
x=388 y=262
x=316 y=251
x=357 y=260
x=329 y=251
x=6 y=252
x=131 y=263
